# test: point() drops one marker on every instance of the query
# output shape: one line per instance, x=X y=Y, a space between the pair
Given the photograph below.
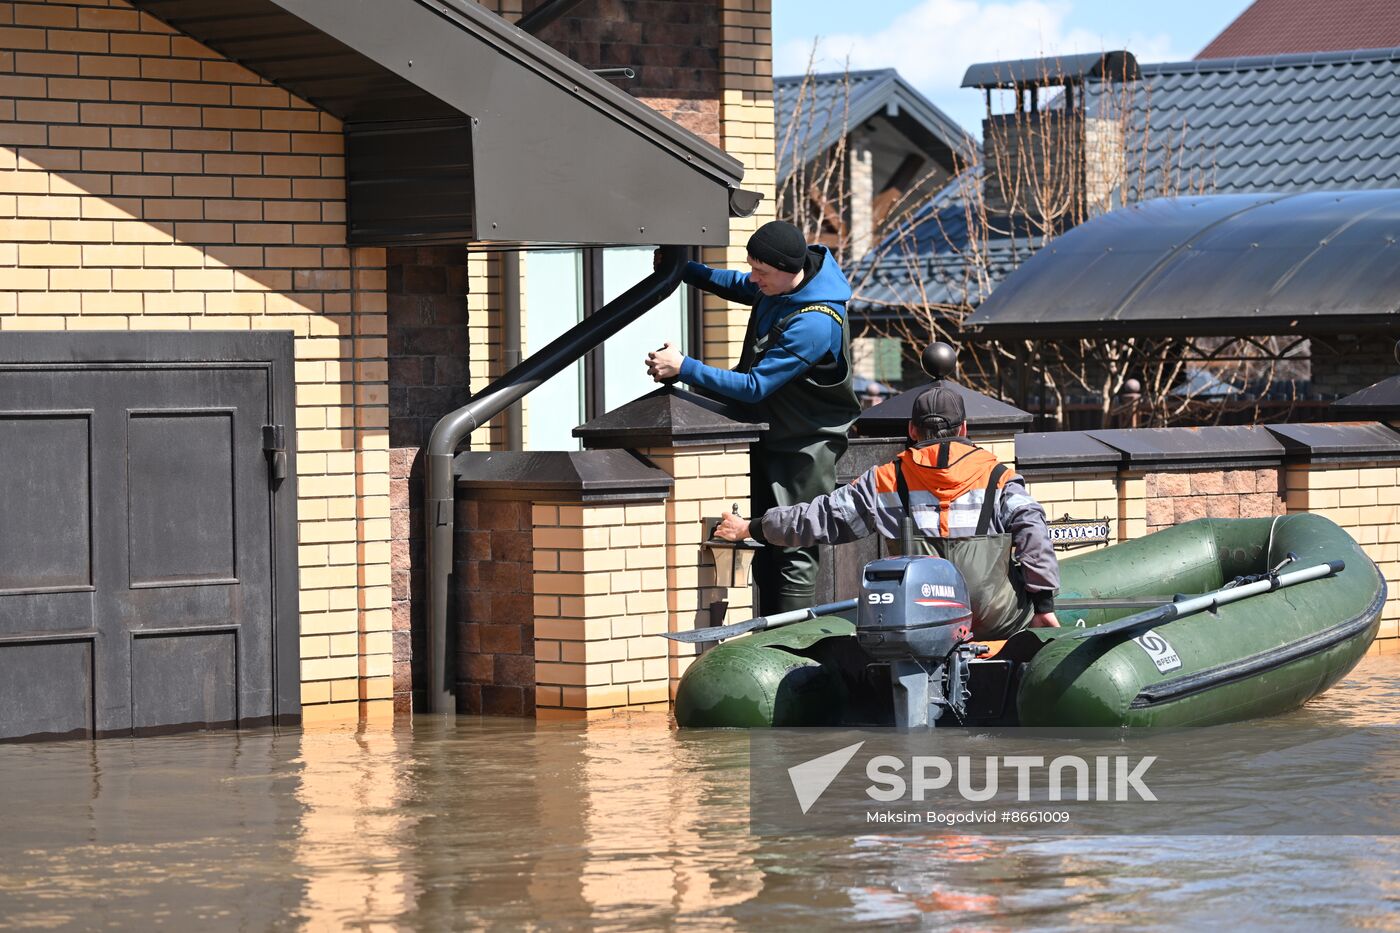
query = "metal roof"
x=1286 y=123
x=921 y=262
x=1322 y=262
x=1381 y=400
x=985 y=415
x=1309 y=122
x=1221 y=446
x=1320 y=443
x=827 y=114
x=941 y=280
x=1271 y=27
x=460 y=126
x=1064 y=452
x=1064 y=69
x=669 y=417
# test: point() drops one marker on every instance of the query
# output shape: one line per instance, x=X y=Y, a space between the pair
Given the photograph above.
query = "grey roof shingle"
x=1281 y=123
x=937 y=280
x=1275 y=123
x=823 y=112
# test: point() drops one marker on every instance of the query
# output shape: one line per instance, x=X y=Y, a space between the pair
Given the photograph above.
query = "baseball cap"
x=939 y=408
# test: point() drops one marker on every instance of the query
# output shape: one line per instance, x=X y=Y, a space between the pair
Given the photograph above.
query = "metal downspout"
x=510 y=342
x=491 y=401
x=544 y=14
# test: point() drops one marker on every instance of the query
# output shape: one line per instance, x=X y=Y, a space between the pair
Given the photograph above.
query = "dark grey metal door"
x=138 y=539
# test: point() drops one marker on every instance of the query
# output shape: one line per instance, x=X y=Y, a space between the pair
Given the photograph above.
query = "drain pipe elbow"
x=453 y=428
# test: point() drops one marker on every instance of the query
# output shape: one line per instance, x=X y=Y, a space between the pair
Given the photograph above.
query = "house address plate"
x=1068 y=533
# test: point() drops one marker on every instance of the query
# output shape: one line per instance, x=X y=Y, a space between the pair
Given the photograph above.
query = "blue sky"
x=932 y=42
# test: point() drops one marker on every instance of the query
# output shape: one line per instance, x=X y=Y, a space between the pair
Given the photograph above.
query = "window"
x=553 y=302
x=561 y=286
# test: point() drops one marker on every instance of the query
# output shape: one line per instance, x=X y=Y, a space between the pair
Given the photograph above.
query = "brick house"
x=165 y=167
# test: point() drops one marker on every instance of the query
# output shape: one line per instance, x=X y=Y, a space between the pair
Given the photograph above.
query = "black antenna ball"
x=940 y=360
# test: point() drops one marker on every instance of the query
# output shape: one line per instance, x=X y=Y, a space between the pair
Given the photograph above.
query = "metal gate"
x=147 y=533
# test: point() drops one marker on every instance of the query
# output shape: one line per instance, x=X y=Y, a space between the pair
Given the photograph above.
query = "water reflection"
x=624 y=823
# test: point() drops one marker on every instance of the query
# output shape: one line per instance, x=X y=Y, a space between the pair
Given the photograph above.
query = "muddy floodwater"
x=622 y=824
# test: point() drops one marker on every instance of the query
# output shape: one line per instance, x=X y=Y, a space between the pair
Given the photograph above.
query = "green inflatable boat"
x=1255 y=656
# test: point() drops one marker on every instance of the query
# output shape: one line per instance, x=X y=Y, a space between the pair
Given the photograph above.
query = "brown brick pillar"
x=560 y=583
x=428 y=377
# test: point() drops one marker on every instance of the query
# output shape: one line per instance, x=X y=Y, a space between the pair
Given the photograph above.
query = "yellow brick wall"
x=484 y=303
x=1001 y=446
x=708 y=481
x=600 y=605
x=1361 y=497
x=1364 y=498
x=1082 y=496
x=147 y=183
x=484 y=337
x=746 y=129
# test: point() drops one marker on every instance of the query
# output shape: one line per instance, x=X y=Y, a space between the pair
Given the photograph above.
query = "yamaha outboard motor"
x=915 y=615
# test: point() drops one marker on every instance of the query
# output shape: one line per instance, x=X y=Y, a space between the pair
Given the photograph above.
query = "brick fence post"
x=561 y=583
x=705 y=451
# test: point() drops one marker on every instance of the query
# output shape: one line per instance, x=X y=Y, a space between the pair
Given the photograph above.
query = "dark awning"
x=1381 y=400
x=460 y=126
x=1315 y=263
x=985 y=415
x=1063 y=69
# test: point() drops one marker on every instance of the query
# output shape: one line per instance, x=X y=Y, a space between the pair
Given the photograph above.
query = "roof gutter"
x=453 y=428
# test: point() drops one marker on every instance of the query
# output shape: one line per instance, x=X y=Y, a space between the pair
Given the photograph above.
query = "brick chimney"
x=1056 y=165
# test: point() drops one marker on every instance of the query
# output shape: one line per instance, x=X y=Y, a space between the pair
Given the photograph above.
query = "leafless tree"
x=1041 y=170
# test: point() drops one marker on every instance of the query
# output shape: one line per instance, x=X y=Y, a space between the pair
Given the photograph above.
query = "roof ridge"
x=1291 y=59
x=824 y=76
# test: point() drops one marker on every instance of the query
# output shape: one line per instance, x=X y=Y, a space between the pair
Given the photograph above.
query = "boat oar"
x=1116 y=602
x=1194 y=604
x=719 y=633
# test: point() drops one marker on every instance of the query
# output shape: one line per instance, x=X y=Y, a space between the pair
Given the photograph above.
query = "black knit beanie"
x=780 y=245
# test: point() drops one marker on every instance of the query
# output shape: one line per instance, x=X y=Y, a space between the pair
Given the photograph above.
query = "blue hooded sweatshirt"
x=804 y=341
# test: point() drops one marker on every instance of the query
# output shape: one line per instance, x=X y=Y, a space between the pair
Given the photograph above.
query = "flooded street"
x=623 y=824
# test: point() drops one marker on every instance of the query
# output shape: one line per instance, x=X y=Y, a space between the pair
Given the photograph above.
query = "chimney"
x=1054 y=165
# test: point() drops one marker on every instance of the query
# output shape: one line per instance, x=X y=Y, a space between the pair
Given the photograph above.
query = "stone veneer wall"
x=428 y=377
x=606 y=580
x=494 y=607
x=1173 y=498
x=148 y=183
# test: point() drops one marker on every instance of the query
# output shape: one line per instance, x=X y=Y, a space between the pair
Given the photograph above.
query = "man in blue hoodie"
x=794 y=373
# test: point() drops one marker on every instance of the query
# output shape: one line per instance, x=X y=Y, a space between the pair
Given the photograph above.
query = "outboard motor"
x=916 y=616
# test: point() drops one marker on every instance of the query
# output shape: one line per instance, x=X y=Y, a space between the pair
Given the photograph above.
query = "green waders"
x=1000 y=606
x=795 y=461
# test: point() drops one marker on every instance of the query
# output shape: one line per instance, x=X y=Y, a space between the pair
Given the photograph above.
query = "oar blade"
x=717 y=633
x=1137 y=620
